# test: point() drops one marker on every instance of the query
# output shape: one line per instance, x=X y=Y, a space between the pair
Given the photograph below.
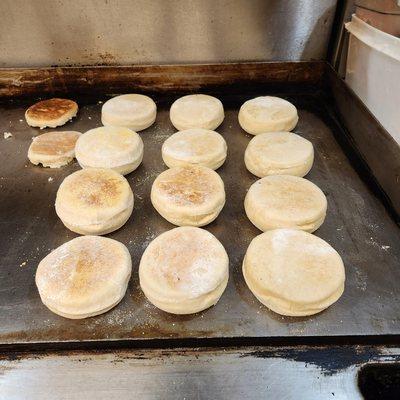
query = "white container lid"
x=379 y=40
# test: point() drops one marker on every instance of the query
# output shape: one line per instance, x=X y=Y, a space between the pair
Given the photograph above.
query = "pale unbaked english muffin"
x=134 y=111
x=114 y=147
x=279 y=153
x=51 y=113
x=84 y=277
x=284 y=201
x=191 y=195
x=184 y=270
x=53 y=149
x=94 y=201
x=293 y=273
x=267 y=114
x=194 y=147
x=197 y=111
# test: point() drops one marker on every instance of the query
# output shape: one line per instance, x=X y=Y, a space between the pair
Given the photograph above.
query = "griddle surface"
x=357 y=226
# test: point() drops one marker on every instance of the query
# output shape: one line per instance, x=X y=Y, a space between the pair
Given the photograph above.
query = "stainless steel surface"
x=88 y=32
x=248 y=373
x=340 y=40
x=357 y=225
x=370 y=139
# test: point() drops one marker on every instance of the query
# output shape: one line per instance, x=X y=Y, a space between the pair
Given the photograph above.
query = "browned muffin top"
x=51 y=109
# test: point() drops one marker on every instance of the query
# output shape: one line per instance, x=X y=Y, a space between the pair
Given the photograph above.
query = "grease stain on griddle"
x=330 y=359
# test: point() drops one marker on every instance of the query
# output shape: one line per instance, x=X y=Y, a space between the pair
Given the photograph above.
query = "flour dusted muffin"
x=51 y=113
x=267 y=114
x=191 y=195
x=94 y=201
x=114 y=147
x=279 y=153
x=184 y=270
x=133 y=111
x=284 y=201
x=293 y=272
x=194 y=147
x=84 y=277
x=53 y=149
x=197 y=111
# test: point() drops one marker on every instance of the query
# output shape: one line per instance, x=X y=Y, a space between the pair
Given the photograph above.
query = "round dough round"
x=114 y=147
x=133 y=111
x=293 y=272
x=51 y=113
x=191 y=195
x=194 y=147
x=94 y=201
x=84 y=277
x=267 y=114
x=53 y=149
x=284 y=201
x=197 y=111
x=279 y=153
x=184 y=270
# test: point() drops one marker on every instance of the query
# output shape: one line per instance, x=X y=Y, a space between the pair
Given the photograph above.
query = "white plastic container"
x=373 y=72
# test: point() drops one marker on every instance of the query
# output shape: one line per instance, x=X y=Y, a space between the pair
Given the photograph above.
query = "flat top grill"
x=357 y=226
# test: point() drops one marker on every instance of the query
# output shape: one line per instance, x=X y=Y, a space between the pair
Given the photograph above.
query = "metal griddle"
x=357 y=226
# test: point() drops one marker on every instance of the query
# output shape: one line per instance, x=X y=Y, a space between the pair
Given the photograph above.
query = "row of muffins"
x=186 y=182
